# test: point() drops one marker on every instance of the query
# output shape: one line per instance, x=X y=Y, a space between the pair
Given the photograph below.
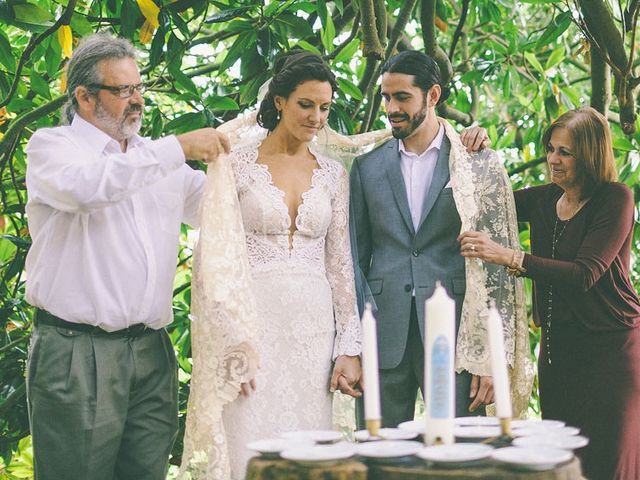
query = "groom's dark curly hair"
x=291 y=70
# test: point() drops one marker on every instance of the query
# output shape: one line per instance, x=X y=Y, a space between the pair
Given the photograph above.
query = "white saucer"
x=477 y=421
x=319 y=454
x=319 y=436
x=477 y=432
x=271 y=447
x=456 y=453
x=534 y=422
x=386 y=434
x=388 y=448
x=562 y=441
x=542 y=430
x=416 y=426
x=532 y=458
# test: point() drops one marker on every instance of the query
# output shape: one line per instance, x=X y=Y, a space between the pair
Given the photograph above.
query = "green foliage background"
x=514 y=66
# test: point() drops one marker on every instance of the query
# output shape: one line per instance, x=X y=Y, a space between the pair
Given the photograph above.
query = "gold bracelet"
x=515 y=267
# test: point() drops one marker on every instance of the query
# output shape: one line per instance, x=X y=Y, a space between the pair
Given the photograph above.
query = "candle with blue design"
x=439 y=370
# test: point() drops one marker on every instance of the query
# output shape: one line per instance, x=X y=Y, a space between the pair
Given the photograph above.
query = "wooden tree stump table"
x=278 y=469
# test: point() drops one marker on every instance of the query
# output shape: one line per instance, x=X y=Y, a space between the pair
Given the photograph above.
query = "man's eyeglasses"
x=122 y=91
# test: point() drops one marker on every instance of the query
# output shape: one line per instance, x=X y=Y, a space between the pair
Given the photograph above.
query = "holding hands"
x=346 y=375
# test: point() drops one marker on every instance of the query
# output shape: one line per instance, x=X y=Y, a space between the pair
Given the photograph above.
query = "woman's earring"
x=278 y=115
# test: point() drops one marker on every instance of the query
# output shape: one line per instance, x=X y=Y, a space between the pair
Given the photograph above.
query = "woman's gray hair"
x=82 y=69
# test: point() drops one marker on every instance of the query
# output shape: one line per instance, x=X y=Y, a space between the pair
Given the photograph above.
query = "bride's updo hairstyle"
x=290 y=71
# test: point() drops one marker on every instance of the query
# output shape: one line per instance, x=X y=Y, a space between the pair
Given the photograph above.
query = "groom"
x=406 y=223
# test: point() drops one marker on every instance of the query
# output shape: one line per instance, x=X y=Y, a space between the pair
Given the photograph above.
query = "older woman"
x=581 y=234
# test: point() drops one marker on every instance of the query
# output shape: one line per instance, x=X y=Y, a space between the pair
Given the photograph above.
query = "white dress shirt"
x=105 y=224
x=417 y=171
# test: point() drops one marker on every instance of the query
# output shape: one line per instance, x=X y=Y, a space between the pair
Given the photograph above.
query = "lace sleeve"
x=339 y=266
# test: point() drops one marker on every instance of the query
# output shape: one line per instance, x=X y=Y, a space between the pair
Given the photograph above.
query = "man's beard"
x=414 y=122
x=119 y=129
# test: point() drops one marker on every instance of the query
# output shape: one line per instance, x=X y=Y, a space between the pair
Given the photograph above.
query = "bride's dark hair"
x=290 y=71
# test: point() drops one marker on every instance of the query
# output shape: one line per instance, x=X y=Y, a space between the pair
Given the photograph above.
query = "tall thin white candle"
x=370 y=372
x=499 y=364
x=439 y=380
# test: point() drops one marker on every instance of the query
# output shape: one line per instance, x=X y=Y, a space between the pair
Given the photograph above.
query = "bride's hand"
x=248 y=387
x=346 y=375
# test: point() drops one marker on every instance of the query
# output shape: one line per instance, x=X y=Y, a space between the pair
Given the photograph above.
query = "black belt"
x=43 y=317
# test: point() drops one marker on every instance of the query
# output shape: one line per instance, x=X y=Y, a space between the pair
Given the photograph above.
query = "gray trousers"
x=101 y=407
x=399 y=386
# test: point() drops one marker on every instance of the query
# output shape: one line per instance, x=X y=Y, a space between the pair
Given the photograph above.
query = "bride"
x=294 y=210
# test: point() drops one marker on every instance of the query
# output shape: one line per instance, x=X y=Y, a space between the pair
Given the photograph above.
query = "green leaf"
x=551 y=106
x=129 y=18
x=250 y=91
x=350 y=89
x=296 y=27
x=237 y=49
x=175 y=69
x=531 y=58
x=221 y=103
x=187 y=122
x=157 y=47
x=229 y=14
x=555 y=58
x=321 y=8
x=53 y=56
x=31 y=17
x=81 y=25
x=328 y=34
x=20 y=242
x=556 y=28
x=506 y=84
x=39 y=86
x=308 y=47
x=6 y=57
x=347 y=53
x=623 y=144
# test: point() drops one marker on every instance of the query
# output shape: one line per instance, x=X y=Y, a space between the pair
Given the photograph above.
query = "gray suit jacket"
x=393 y=257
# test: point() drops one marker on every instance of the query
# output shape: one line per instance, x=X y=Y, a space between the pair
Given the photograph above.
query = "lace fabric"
x=484 y=200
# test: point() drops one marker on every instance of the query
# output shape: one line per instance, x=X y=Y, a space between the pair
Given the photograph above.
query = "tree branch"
x=22 y=121
x=428 y=22
x=526 y=165
x=352 y=35
x=457 y=116
x=64 y=19
x=372 y=46
x=459 y=27
x=600 y=82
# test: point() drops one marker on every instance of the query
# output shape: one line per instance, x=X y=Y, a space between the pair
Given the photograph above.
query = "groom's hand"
x=346 y=375
x=481 y=391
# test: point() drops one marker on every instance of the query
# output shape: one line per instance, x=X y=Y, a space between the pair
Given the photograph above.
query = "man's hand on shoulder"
x=205 y=144
x=475 y=139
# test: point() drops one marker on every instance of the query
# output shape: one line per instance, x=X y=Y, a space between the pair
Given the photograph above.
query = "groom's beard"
x=414 y=121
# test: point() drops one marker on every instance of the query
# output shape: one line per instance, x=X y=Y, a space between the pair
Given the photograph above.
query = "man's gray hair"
x=82 y=69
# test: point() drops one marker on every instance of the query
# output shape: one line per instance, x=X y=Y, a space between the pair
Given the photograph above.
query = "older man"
x=105 y=208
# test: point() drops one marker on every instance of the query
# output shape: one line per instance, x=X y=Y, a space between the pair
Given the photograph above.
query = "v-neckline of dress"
x=281 y=195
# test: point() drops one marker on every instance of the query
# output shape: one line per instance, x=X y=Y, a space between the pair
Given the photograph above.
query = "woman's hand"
x=475 y=139
x=479 y=245
x=346 y=375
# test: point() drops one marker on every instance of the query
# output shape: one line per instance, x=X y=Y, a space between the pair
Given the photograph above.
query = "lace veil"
x=224 y=348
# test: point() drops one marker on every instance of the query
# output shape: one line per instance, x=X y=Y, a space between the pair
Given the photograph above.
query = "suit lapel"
x=394 y=174
x=440 y=178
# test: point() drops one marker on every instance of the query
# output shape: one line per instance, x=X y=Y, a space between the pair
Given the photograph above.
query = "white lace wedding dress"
x=305 y=300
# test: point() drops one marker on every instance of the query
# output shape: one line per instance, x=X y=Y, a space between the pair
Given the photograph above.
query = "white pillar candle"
x=499 y=364
x=370 y=371
x=439 y=370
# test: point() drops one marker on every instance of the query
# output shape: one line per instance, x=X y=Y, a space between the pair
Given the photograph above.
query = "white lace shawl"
x=223 y=341
x=484 y=200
